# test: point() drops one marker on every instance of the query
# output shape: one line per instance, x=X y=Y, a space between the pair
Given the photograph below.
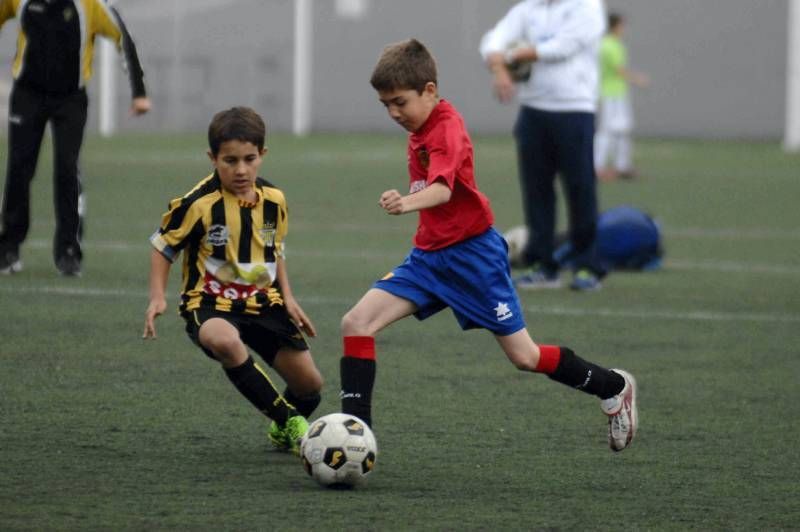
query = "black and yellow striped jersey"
x=55 y=43
x=230 y=248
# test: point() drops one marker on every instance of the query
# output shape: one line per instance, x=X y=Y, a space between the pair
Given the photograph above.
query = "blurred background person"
x=613 y=149
x=53 y=63
x=554 y=130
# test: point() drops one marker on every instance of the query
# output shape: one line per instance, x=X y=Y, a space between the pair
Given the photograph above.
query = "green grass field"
x=100 y=430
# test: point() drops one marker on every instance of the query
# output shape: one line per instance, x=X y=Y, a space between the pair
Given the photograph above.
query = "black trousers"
x=29 y=112
x=550 y=144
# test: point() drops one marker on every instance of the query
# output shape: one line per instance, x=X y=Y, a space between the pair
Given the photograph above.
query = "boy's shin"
x=357 y=370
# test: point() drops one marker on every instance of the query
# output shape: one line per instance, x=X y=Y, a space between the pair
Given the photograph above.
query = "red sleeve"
x=446 y=152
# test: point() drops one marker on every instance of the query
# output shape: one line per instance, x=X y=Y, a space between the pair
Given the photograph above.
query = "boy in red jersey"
x=458 y=260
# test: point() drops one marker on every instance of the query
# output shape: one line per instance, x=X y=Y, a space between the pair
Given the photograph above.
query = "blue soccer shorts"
x=472 y=277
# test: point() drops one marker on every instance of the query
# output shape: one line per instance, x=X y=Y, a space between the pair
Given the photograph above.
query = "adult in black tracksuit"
x=52 y=66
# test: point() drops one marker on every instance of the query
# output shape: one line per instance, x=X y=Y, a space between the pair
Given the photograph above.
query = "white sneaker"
x=622 y=415
x=10 y=263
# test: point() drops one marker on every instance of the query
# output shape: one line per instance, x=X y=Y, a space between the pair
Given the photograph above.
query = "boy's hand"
x=154 y=309
x=392 y=202
x=503 y=84
x=299 y=318
x=140 y=106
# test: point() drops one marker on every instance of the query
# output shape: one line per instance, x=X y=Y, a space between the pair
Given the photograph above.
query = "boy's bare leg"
x=374 y=311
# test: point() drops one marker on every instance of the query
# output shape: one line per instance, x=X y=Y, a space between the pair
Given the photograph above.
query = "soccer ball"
x=516 y=238
x=339 y=450
x=520 y=71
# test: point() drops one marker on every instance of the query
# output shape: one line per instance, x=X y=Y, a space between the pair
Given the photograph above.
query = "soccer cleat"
x=538 y=278
x=69 y=265
x=10 y=263
x=585 y=281
x=277 y=436
x=296 y=427
x=287 y=438
x=623 y=417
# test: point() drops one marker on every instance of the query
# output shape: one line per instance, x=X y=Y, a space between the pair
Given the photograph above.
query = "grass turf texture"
x=101 y=430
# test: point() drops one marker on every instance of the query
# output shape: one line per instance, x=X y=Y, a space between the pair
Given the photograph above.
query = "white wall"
x=718 y=66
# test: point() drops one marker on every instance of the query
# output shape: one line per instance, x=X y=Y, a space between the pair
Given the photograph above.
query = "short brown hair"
x=403 y=66
x=615 y=19
x=237 y=123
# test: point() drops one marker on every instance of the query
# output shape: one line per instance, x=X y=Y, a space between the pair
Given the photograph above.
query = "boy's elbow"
x=443 y=193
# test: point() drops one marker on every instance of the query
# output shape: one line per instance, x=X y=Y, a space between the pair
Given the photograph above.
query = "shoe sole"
x=14 y=267
x=634 y=410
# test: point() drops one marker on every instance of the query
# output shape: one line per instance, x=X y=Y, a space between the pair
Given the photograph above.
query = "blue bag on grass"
x=627 y=239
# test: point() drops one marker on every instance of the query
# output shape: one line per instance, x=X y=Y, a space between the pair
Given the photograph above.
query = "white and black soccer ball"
x=520 y=70
x=339 y=450
x=517 y=239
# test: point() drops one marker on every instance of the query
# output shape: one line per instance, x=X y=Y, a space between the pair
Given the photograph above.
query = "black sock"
x=304 y=405
x=357 y=377
x=255 y=385
x=573 y=371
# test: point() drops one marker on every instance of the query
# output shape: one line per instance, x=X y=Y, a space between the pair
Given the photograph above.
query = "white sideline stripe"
x=732 y=234
x=672 y=232
x=693 y=315
x=673 y=264
x=730 y=266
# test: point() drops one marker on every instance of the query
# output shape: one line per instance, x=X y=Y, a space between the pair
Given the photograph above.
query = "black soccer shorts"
x=265 y=334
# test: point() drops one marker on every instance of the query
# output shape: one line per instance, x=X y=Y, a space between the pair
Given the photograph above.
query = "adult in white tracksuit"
x=554 y=130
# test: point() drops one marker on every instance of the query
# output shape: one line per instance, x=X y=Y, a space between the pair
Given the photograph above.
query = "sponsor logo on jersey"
x=217 y=235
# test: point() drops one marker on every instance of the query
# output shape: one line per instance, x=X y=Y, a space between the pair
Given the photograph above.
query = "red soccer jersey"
x=442 y=150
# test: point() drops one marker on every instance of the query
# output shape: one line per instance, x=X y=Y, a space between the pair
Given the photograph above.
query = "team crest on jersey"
x=268 y=233
x=416 y=186
x=217 y=235
x=424 y=157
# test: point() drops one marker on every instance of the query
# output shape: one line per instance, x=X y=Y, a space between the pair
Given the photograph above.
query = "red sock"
x=359 y=347
x=549 y=357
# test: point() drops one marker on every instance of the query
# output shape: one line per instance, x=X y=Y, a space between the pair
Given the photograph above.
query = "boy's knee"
x=524 y=364
x=313 y=385
x=227 y=350
x=524 y=361
x=354 y=325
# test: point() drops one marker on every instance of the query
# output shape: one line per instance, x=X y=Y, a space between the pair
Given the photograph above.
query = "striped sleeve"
x=7 y=11
x=109 y=24
x=178 y=225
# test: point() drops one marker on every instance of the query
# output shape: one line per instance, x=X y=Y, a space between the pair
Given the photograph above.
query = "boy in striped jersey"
x=236 y=292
